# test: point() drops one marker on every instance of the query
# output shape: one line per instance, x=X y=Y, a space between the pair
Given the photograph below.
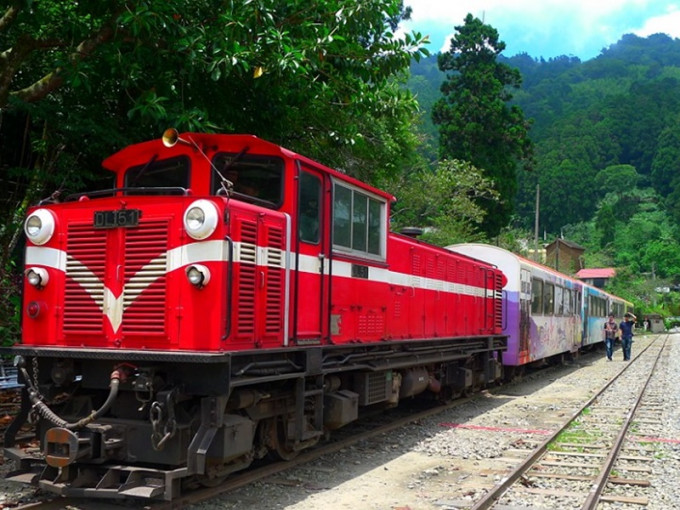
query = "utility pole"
x=536 y=224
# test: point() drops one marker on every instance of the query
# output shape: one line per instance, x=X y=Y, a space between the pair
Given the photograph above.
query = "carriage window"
x=568 y=302
x=598 y=307
x=358 y=223
x=536 y=297
x=548 y=299
x=310 y=200
x=160 y=174
x=559 y=300
x=258 y=179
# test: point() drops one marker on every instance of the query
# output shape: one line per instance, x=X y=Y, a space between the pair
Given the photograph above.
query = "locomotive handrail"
x=112 y=191
x=230 y=286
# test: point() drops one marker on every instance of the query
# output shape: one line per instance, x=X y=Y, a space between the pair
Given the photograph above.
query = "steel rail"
x=506 y=482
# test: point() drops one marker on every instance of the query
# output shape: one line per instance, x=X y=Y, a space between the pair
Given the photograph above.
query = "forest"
x=330 y=80
x=606 y=158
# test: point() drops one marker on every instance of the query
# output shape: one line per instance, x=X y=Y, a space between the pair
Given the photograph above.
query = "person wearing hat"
x=627 y=334
x=611 y=331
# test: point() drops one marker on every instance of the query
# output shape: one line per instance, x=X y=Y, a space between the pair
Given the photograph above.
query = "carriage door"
x=525 y=299
x=310 y=304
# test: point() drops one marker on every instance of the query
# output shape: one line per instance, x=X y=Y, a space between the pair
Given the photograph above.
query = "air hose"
x=44 y=411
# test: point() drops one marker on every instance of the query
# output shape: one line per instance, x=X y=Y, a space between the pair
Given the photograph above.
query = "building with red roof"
x=598 y=277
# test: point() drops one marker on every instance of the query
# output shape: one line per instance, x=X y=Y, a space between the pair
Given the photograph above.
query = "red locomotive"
x=229 y=299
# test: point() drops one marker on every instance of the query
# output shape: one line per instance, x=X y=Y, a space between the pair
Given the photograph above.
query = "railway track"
x=598 y=456
x=360 y=432
x=591 y=451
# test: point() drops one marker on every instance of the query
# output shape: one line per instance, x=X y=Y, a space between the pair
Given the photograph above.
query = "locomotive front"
x=129 y=301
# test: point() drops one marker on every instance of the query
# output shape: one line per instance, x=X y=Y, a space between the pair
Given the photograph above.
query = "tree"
x=617 y=179
x=475 y=121
x=449 y=211
x=79 y=80
x=666 y=162
x=318 y=77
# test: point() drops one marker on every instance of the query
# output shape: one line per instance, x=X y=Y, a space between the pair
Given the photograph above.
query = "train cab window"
x=310 y=208
x=359 y=222
x=536 y=296
x=256 y=179
x=548 y=299
x=158 y=177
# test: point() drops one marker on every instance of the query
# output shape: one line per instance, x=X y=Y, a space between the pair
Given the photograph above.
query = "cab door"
x=310 y=312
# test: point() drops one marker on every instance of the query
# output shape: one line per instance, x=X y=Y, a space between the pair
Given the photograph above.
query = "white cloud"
x=548 y=27
x=668 y=23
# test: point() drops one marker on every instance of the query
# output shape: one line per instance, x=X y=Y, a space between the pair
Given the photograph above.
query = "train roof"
x=211 y=143
x=478 y=249
x=481 y=247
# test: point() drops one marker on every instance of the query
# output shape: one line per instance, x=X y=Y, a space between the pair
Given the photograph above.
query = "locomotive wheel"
x=282 y=446
x=275 y=433
x=205 y=481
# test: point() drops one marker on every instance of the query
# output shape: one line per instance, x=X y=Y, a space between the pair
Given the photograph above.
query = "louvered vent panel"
x=498 y=303
x=274 y=280
x=416 y=269
x=246 y=298
x=145 y=278
x=85 y=269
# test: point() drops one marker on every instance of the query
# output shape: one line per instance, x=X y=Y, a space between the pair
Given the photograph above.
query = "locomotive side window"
x=258 y=178
x=310 y=210
x=162 y=174
x=358 y=222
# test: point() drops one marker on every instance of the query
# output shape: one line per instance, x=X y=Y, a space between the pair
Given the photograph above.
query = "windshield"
x=161 y=174
x=257 y=177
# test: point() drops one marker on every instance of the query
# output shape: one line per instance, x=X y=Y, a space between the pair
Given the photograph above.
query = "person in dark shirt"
x=627 y=334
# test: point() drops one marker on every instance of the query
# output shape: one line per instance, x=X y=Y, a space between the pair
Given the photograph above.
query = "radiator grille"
x=246 y=298
x=274 y=281
x=143 y=269
x=85 y=270
x=373 y=387
x=145 y=278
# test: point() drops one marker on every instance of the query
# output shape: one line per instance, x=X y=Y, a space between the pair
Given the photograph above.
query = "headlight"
x=39 y=226
x=37 y=276
x=198 y=275
x=200 y=219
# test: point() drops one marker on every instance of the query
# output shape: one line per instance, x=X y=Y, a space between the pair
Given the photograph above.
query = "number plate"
x=113 y=219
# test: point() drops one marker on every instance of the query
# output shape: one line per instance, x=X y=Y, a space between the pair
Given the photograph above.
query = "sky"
x=547 y=28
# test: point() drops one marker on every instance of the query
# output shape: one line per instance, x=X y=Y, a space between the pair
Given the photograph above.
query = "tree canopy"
x=80 y=80
x=475 y=120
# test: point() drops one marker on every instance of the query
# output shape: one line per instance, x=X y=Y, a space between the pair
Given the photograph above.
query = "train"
x=227 y=300
x=547 y=315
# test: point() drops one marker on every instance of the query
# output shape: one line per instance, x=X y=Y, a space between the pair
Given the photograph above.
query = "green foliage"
x=475 y=121
x=616 y=179
x=80 y=80
x=449 y=211
x=10 y=305
x=665 y=171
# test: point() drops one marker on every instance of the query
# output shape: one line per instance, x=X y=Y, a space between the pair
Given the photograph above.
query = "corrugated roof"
x=571 y=244
x=602 y=272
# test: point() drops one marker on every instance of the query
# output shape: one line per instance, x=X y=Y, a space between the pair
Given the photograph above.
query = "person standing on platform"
x=611 y=331
x=627 y=334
